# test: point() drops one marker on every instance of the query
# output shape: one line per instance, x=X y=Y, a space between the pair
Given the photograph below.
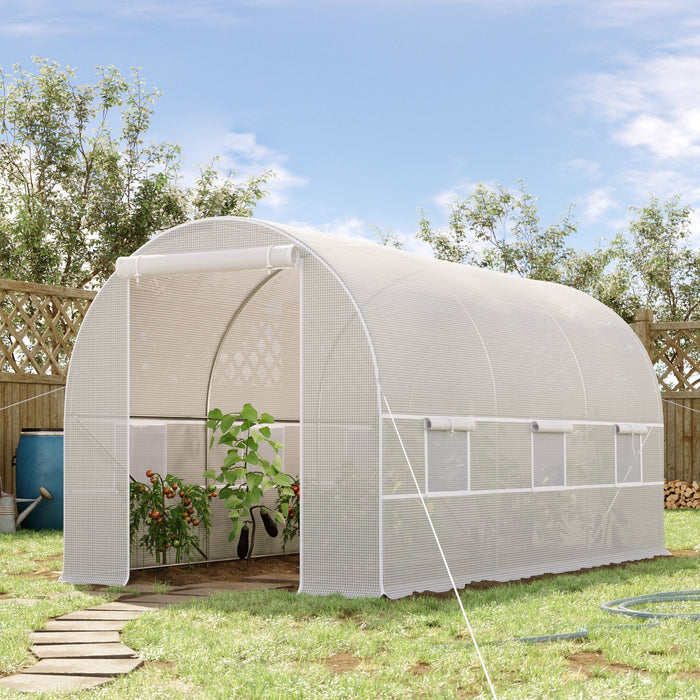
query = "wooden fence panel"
x=38 y=327
x=674 y=350
x=682 y=437
x=43 y=412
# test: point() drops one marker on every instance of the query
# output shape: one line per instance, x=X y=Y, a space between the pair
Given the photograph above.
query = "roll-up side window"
x=549 y=453
x=447 y=453
x=629 y=443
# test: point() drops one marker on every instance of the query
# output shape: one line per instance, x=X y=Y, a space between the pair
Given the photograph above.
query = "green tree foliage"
x=387 y=237
x=501 y=230
x=657 y=259
x=651 y=264
x=79 y=183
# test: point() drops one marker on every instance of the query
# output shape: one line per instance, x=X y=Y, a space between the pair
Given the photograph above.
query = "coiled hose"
x=623 y=605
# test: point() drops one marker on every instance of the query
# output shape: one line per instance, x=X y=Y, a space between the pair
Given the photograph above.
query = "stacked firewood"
x=681 y=494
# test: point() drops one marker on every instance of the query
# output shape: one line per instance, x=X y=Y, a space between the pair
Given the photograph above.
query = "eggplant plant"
x=246 y=475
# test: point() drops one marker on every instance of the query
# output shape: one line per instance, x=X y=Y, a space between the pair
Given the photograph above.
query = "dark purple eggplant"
x=269 y=523
x=242 y=549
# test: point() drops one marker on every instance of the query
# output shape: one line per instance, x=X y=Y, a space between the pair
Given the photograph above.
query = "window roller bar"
x=268 y=258
x=450 y=424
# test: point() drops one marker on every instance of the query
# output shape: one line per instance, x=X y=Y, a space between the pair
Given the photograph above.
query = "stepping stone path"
x=82 y=649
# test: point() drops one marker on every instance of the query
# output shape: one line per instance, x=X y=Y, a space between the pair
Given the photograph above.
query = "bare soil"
x=584 y=662
x=208 y=572
x=237 y=570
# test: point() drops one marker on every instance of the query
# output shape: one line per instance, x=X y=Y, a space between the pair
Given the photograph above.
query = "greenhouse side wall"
x=508 y=533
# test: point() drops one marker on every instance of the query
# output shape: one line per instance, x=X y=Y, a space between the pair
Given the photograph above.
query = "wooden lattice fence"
x=674 y=349
x=38 y=326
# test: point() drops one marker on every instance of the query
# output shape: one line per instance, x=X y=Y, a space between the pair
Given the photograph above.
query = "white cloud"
x=459 y=190
x=626 y=12
x=243 y=153
x=596 y=203
x=653 y=103
x=587 y=168
x=355 y=227
x=30 y=30
x=246 y=145
x=351 y=227
x=215 y=13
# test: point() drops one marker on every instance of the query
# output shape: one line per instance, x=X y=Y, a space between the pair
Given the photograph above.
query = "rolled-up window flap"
x=552 y=426
x=450 y=424
x=268 y=258
x=631 y=428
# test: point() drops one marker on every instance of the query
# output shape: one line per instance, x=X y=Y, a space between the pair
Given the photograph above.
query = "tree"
x=387 y=237
x=650 y=264
x=661 y=266
x=501 y=230
x=79 y=184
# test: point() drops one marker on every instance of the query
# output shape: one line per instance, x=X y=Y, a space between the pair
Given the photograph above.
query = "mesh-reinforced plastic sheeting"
x=458 y=340
x=317 y=347
x=502 y=537
x=96 y=446
x=340 y=444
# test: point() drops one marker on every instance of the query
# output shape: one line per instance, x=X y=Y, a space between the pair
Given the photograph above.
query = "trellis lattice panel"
x=675 y=354
x=38 y=326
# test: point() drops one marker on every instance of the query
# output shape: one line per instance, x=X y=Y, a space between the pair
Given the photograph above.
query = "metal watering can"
x=8 y=507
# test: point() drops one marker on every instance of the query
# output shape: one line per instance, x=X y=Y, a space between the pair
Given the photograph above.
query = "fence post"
x=642 y=319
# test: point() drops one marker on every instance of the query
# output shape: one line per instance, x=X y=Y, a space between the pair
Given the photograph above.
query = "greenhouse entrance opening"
x=240 y=344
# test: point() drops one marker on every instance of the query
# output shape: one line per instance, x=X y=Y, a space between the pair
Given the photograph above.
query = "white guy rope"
x=442 y=553
x=687 y=408
x=38 y=396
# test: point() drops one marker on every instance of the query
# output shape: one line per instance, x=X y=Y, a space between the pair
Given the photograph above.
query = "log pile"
x=681 y=494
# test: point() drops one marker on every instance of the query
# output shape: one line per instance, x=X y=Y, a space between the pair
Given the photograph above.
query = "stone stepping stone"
x=46 y=683
x=113 y=650
x=132 y=588
x=83 y=625
x=196 y=592
x=121 y=606
x=274 y=578
x=249 y=586
x=92 y=614
x=84 y=667
x=74 y=637
x=168 y=599
x=215 y=586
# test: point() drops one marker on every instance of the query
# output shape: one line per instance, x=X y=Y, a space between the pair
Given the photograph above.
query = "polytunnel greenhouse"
x=528 y=412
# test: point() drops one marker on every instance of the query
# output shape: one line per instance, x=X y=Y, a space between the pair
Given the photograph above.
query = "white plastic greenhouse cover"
x=529 y=411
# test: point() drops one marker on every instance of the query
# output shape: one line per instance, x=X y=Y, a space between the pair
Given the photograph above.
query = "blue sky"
x=370 y=110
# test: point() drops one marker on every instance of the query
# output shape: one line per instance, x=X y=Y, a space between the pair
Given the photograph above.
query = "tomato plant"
x=168 y=512
x=289 y=506
x=246 y=475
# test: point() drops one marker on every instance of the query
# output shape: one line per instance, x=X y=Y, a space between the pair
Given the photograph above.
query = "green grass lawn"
x=274 y=644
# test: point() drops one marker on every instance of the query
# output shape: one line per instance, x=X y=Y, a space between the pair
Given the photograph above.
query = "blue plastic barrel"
x=40 y=463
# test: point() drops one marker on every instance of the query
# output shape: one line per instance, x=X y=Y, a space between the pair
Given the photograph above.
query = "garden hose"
x=622 y=606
